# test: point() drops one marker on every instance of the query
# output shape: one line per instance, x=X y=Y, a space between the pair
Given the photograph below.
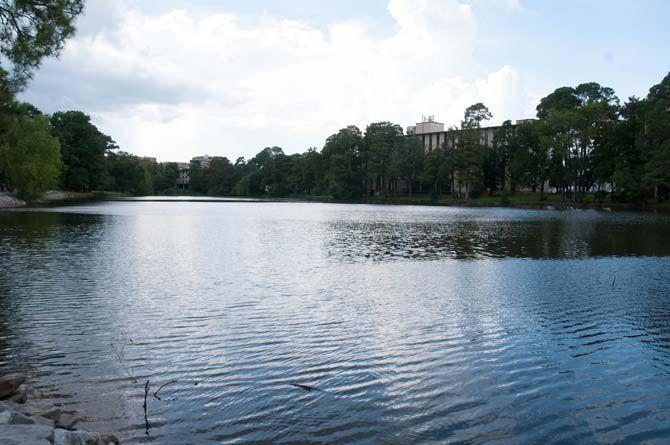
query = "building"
x=184 y=178
x=203 y=161
x=433 y=135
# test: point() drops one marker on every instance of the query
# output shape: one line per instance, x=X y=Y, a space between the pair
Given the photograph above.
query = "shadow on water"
x=558 y=238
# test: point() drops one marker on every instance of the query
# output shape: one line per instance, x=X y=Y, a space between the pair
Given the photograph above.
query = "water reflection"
x=560 y=237
x=236 y=302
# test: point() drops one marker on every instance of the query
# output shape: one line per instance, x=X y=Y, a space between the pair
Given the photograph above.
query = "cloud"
x=177 y=84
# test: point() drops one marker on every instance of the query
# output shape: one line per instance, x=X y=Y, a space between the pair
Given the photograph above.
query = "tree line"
x=584 y=140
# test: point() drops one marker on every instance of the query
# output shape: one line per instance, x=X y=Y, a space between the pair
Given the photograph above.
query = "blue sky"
x=176 y=78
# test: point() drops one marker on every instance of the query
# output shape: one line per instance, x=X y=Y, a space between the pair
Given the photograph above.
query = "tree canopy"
x=31 y=30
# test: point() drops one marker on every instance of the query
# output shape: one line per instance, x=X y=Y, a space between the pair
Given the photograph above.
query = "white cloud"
x=178 y=84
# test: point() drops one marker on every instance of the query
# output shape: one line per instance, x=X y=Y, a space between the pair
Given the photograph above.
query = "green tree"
x=220 y=177
x=577 y=120
x=408 y=160
x=129 y=174
x=30 y=156
x=655 y=138
x=83 y=149
x=342 y=164
x=31 y=30
x=496 y=168
x=197 y=178
x=165 y=180
x=471 y=149
x=382 y=140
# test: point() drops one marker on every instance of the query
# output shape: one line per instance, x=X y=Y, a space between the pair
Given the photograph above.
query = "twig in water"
x=305 y=387
x=146 y=419
x=613 y=282
x=158 y=390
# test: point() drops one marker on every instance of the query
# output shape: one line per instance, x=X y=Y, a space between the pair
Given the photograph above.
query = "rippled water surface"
x=412 y=324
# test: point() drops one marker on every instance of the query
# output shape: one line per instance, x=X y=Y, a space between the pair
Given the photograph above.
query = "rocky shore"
x=26 y=420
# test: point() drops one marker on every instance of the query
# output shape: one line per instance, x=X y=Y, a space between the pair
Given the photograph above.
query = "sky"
x=173 y=79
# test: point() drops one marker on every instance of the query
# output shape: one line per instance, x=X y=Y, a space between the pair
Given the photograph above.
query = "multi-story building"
x=203 y=161
x=433 y=136
x=184 y=178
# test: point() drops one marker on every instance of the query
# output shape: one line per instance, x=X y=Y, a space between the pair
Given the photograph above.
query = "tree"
x=30 y=156
x=83 y=150
x=382 y=139
x=579 y=118
x=471 y=151
x=342 y=163
x=31 y=30
x=655 y=138
x=129 y=174
x=408 y=161
x=197 y=178
x=166 y=177
x=475 y=115
x=496 y=170
x=436 y=171
x=220 y=176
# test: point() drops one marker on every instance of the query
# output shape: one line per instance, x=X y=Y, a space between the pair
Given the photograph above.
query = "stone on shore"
x=10 y=384
x=25 y=435
x=65 y=437
x=38 y=423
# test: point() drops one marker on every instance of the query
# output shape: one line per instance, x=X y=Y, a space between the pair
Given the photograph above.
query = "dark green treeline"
x=583 y=140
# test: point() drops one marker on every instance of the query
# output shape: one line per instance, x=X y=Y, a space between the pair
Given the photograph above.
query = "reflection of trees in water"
x=24 y=228
x=36 y=249
x=551 y=238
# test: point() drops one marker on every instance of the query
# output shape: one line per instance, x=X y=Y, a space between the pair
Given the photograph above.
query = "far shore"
x=520 y=201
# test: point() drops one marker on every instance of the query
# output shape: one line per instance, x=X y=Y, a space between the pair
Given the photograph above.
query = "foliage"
x=31 y=30
x=83 y=149
x=129 y=174
x=30 y=156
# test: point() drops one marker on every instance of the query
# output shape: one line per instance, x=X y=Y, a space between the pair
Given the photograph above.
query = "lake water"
x=413 y=324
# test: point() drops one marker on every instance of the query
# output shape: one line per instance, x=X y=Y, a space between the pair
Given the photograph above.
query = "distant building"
x=433 y=135
x=184 y=178
x=525 y=121
x=203 y=161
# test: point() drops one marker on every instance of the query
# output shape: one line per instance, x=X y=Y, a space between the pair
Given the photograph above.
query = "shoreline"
x=9 y=201
x=25 y=418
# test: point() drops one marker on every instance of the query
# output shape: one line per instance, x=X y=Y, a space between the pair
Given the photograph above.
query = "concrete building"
x=434 y=136
x=184 y=178
x=203 y=161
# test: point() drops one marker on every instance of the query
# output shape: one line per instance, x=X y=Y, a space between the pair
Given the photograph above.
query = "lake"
x=306 y=322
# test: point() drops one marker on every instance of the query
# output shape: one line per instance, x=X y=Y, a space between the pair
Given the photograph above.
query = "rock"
x=52 y=414
x=25 y=435
x=21 y=394
x=9 y=385
x=10 y=417
x=65 y=437
x=66 y=421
